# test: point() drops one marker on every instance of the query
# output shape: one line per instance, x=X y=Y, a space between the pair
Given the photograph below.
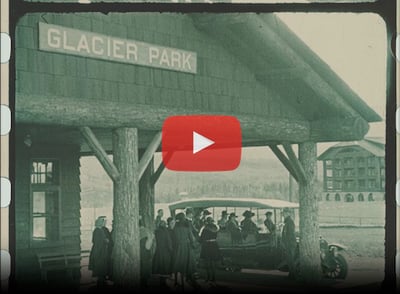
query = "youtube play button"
x=201 y=143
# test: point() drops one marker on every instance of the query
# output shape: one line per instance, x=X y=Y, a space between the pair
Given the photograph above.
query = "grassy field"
x=361 y=242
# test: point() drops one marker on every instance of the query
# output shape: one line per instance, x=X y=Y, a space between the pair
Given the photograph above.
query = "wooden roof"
x=283 y=62
x=307 y=101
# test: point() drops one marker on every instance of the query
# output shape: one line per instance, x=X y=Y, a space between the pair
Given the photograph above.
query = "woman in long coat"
x=184 y=262
x=99 y=259
x=209 y=248
x=163 y=256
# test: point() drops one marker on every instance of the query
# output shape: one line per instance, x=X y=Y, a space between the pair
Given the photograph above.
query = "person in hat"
x=232 y=226
x=289 y=241
x=247 y=224
x=163 y=254
x=100 y=254
x=160 y=214
x=269 y=223
x=209 y=248
x=224 y=219
x=183 y=259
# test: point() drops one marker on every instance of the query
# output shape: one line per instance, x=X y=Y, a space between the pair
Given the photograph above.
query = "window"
x=370 y=197
x=329 y=184
x=348 y=161
x=349 y=198
x=361 y=197
x=328 y=163
x=361 y=161
x=328 y=172
x=45 y=211
x=349 y=184
x=382 y=184
x=383 y=172
x=371 y=161
x=372 y=184
x=337 y=185
x=337 y=172
x=361 y=184
x=349 y=172
x=371 y=171
x=44 y=172
x=337 y=197
x=45 y=200
x=337 y=162
x=361 y=171
x=327 y=197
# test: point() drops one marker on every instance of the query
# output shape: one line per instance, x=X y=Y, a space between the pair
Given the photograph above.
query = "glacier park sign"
x=76 y=42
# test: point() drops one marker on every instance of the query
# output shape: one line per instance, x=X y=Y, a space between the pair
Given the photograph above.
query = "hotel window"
x=348 y=161
x=349 y=184
x=337 y=162
x=361 y=184
x=337 y=173
x=382 y=172
x=328 y=172
x=328 y=163
x=329 y=185
x=371 y=171
x=337 y=185
x=349 y=172
x=361 y=171
x=371 y=160
x=361 y=161
x=45 y=200
x=371 y=184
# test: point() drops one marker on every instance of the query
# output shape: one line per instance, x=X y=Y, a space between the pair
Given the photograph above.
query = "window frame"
x=38 y=187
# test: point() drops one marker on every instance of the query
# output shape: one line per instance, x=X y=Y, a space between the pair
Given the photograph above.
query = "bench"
x=63 y=260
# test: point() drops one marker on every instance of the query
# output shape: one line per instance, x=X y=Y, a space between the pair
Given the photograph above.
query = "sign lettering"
x=60 y=39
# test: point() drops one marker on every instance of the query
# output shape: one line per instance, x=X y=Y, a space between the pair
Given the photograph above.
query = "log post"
x=309 y=225
x=126 y=252
x=146 y=196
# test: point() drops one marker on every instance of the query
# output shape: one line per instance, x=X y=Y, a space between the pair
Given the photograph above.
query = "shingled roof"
x=375 y=146
x=286 y=65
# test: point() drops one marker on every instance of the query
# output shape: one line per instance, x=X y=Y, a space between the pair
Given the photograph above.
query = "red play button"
x=201 y=143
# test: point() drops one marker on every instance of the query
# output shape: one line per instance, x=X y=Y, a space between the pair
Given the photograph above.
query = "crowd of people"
x=177 y=245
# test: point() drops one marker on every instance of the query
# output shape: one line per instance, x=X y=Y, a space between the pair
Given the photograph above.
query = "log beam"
x=310 y=262
x=69 y=111
x=100 y=153
x=295 y=162
x=348 y=129
x=146 y=195
x=148 y=154
x=283 y=159
x=72 y=112
x=158 y=172
x=126 y=250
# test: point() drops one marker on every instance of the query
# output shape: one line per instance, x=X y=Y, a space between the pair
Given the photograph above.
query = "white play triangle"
x=200 y=142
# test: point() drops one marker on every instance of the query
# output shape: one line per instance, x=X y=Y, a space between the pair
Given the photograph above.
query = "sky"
x=354 y=46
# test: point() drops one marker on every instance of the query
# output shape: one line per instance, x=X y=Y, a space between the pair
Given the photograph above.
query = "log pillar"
x=146 y=196
x=126 y=252
x=309 y=225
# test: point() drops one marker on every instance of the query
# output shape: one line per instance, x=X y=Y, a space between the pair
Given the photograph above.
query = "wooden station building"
x=96 y=84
